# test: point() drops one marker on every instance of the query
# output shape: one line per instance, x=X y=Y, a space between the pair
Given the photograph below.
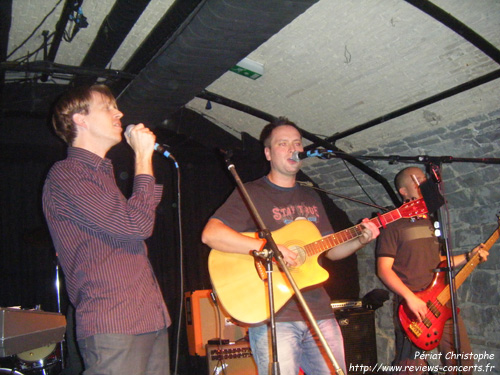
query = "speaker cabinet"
x=206 y=321
x=235 y=359
x=358 y=330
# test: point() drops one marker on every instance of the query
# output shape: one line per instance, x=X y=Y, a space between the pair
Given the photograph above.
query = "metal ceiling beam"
x=69 y=5
x=113 y=31
x=420 y=104
x=458 y=27
x=49 y=68
x=465 y=32
x=207 y=95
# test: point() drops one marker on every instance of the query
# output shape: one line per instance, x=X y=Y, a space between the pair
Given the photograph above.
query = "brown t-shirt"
x=415 y=250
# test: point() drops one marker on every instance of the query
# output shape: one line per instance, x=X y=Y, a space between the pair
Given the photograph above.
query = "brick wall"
x=473 y=194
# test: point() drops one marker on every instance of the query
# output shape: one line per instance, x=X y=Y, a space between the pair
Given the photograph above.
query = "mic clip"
x=323 y=153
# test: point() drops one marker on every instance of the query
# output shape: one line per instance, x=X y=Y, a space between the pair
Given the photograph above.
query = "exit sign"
x=248 y=68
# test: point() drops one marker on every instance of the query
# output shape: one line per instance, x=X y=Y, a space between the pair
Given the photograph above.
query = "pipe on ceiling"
x=113 y=31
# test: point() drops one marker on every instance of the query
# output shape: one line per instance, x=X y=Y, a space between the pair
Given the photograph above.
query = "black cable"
x=34 y=31
x=181 y=263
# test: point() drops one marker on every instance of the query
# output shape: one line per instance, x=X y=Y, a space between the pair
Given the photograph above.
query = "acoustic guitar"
x=427 y=334
x=241 y=286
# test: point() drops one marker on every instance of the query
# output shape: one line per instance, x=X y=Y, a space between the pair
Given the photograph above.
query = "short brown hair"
x=266 y=132
x=76 y=100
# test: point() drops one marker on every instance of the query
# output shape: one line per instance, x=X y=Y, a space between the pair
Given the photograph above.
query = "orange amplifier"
x=206 y=320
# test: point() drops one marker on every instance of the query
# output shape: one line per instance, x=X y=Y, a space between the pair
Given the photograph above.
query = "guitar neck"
x=467 y=269
x=335 y=239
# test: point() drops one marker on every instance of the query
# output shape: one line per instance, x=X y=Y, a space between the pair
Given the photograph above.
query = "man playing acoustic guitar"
x=281 y=201
x=407 y=253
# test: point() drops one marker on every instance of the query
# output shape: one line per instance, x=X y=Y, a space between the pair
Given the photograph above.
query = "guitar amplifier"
x=231 y=359
x=206 y=321
x=358 y=330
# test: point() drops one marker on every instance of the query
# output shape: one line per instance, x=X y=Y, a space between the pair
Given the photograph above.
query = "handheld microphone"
x=162 y=149
x=318 y=152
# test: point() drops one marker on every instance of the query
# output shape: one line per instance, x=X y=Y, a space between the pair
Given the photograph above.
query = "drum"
x=40 y=361
x=37 y=354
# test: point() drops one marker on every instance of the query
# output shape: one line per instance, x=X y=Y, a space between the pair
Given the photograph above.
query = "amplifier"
x=231 y=359
x=346 y=304
x=358 y=331
x=205 y=321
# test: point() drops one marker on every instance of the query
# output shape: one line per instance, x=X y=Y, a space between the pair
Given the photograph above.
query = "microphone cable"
x=181 y=264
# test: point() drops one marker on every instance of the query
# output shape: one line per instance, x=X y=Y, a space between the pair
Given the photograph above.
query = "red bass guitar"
x=427 y=334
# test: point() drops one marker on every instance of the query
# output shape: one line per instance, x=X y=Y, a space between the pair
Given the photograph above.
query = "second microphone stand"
x=271 y=251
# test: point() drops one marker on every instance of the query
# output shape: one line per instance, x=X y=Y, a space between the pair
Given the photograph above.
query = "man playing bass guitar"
x=407 y=253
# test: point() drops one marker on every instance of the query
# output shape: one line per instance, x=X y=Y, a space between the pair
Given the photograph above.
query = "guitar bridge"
x=415 y=329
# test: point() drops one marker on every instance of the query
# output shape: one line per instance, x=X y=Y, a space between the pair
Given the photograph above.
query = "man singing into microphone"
x=121 y=318
x=280 y=200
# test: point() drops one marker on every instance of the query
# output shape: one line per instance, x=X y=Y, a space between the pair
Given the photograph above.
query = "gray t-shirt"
x=277 y=207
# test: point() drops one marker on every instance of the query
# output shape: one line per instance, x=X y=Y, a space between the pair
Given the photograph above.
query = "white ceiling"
x=343 y=63
x=336 y=66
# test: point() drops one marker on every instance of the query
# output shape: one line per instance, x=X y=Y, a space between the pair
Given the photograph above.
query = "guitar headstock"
x=413 y=208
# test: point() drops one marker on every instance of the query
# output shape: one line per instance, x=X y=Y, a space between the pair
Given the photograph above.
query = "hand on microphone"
x=162 y=149
x=141 y=139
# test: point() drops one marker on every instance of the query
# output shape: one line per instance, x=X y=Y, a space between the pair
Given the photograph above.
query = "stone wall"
x=473 y=195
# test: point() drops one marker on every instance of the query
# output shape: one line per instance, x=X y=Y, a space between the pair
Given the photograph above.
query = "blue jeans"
x=118 y=354
x=298 y=347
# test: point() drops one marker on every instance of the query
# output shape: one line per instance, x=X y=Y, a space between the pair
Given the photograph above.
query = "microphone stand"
x=433 y=164
x=268 y=257
x=393 y=159
x=451 y=279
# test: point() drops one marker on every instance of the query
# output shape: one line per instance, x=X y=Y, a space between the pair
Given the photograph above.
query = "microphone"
x=158 y=147
x=317 y=152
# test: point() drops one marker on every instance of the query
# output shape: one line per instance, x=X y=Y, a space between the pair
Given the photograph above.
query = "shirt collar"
x=87 y=157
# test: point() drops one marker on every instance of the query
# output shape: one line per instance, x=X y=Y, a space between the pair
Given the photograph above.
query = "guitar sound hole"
x=301 y=255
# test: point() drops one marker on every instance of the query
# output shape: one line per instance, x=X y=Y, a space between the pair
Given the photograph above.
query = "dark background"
x=28 y=257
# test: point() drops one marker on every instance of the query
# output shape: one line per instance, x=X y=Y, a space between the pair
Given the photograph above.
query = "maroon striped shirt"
x=99 y=238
